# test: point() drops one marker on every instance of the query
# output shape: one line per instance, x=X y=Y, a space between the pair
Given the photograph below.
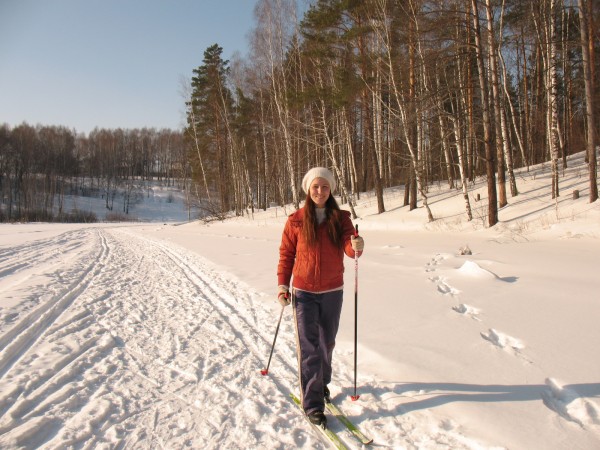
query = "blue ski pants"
x=317 y=318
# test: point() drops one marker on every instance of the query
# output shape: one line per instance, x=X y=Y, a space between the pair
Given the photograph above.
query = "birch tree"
x=276 y=25
x=400 y=110
x=552 y=94
x=586 y=45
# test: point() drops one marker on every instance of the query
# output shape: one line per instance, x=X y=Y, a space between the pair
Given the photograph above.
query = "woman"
x=312 y=249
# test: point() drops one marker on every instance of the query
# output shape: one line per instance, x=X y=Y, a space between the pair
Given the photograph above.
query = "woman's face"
x=320 y=191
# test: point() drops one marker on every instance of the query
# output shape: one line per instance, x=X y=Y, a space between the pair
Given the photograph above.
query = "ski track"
x=130 y=342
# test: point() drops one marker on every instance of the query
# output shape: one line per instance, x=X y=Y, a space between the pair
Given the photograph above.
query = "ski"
x=326 y=432
x=337 y=412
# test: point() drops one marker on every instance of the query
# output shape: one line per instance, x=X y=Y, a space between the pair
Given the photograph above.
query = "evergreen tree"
x=208 y=118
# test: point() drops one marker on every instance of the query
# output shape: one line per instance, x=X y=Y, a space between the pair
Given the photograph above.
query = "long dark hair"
x=332 y=217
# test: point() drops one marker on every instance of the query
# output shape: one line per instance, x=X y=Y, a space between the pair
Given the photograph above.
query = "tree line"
x=389 y=92
x=383 y=92
x=40 y=165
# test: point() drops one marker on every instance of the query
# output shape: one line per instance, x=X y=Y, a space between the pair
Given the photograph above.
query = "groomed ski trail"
x=156 y=350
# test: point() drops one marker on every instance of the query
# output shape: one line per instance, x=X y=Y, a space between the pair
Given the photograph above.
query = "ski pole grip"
x=356 y=230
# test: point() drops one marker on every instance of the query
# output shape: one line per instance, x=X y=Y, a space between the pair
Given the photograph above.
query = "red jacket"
x=315 y=269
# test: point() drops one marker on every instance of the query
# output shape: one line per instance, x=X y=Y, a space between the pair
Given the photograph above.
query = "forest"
x=383 y=92
x=41 y=165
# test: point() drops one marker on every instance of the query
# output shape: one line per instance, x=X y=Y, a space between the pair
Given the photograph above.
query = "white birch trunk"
x=351 y=157
x=551 y=88
x=461 y=166
x=589 y=101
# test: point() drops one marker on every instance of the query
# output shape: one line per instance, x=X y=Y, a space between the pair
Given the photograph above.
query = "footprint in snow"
x=446 y=289
x=441 y=282
x=430 y=266
x=503 y=341
x=443 y=287
x=467 y=310
x=570 y=405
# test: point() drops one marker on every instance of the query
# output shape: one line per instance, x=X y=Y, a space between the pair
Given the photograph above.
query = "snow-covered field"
x=150 y=202
x=153 y=335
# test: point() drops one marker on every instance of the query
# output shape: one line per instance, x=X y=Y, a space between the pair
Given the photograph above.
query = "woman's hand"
x=358 y=243
x=283 y=297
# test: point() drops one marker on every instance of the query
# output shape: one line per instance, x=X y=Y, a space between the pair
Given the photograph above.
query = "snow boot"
x=318 y=418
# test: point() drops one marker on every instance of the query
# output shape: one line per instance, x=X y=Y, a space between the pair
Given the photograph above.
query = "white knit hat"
x=318 y=172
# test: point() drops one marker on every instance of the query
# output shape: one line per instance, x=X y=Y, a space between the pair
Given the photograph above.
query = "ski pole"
x=266 y=371
x=355 y=396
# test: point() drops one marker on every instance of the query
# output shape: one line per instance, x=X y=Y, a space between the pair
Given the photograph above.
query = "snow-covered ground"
x=150 y=202
x=153 y=335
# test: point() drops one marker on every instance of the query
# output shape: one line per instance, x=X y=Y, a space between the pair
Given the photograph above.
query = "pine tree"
x=208 y=116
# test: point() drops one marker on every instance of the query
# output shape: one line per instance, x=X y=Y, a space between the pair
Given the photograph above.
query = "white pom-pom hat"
x=318 y=172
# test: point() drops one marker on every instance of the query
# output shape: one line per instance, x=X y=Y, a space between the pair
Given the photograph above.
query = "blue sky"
x=109 y=63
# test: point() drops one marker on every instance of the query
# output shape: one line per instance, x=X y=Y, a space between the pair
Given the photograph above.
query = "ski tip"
x=354 y=397
x=264 y=372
